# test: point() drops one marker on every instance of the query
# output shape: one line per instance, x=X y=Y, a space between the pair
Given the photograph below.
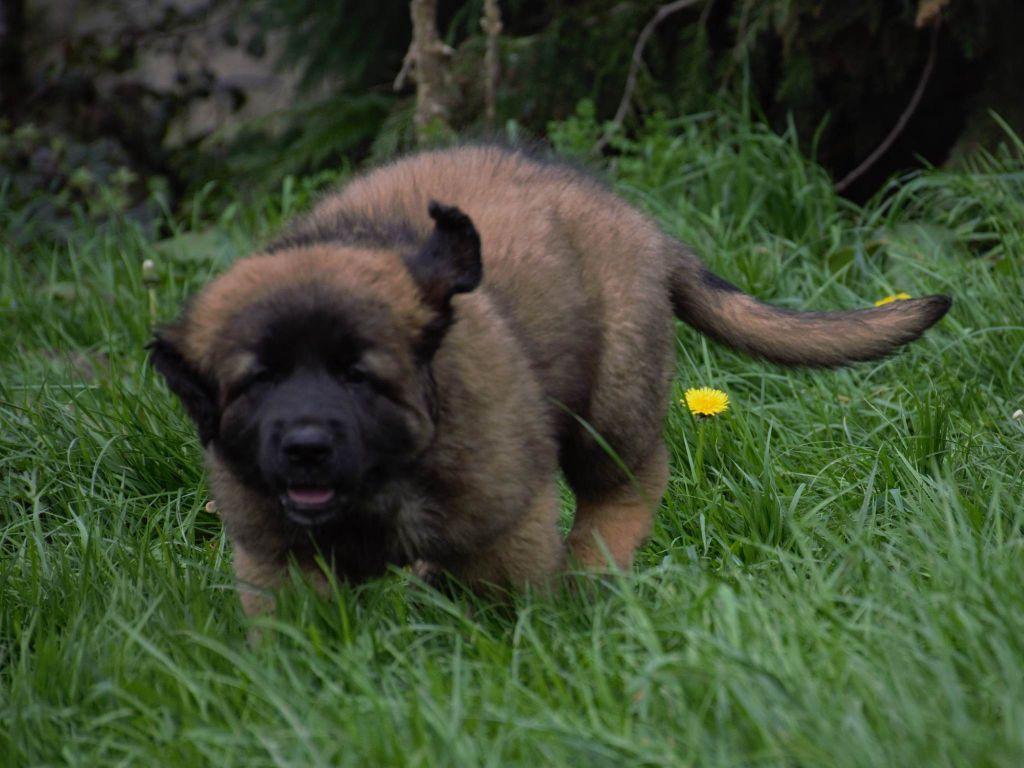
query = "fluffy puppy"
x=398 y=379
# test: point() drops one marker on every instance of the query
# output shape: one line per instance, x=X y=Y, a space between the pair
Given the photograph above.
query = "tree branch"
x=887 y=142
x=429 y=56
x=491 y=24
x=634 y=66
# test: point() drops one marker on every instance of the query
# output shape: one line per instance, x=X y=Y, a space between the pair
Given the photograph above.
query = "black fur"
x=348 y=229
x=711 y=280
x=937 y=307
x=197 y=394
x=307 y=354
x=449 y=263
x=303 y=327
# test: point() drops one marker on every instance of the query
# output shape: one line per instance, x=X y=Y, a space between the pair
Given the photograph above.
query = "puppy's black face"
x=308 y=374
x=320 y=416
x=315 y=413
x=315 y=401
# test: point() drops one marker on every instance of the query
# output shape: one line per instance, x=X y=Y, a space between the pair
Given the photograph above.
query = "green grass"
x=838 y=582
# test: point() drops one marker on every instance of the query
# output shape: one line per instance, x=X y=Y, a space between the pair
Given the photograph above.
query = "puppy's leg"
x=530 y=552
x=619 y=519
x=259 y=577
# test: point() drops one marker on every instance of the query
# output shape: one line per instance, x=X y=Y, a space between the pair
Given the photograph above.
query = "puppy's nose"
x=306 y=445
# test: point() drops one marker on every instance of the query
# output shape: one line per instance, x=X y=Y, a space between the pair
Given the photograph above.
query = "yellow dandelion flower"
x=901 y=296
x=706 y=401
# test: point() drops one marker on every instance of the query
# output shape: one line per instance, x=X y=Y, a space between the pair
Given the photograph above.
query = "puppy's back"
x=569 y=264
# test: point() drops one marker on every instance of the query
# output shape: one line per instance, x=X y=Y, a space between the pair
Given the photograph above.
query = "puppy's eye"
x=258 y=376
x=253 y=379
x=364 y=377
x=357 y=375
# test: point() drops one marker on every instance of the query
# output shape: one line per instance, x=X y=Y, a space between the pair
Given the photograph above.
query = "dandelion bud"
x=150 y=276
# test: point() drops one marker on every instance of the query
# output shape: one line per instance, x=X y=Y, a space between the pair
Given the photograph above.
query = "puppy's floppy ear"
x=195 y=391
x=449 y=262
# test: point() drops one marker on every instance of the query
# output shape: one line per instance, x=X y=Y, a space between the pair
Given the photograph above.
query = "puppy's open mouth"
x=311 y=506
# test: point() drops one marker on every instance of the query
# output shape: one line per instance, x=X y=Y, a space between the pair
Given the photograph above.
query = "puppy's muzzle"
x=321 y=472
x=307 y=446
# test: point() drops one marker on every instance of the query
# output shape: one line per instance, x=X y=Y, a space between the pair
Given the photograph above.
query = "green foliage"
x=348 y=42
x=320 y=134
x=835 y=75
x=348 y=54
x=49 y=181
x=817 y=71
x=837 y=582
x=711 y=163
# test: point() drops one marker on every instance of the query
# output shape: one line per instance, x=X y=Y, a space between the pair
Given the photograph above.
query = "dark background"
x=161 y=98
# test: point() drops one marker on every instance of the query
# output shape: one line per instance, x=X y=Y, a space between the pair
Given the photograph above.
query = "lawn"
x=836 y=579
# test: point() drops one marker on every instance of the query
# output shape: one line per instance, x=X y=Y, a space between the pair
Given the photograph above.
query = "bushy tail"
x=722 y=311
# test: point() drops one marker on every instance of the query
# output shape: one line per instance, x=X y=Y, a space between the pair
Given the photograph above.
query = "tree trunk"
x=429 y=56
x=491 y=23
x=12 y=75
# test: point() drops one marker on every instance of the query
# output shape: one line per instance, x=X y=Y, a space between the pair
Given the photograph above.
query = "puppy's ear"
x=195 y=391
x=449 y=262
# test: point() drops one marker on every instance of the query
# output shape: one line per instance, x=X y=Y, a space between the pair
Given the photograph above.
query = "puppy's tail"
x=722 y=311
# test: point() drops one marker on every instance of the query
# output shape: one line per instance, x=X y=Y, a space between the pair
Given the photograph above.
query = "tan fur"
x=614 y=526
x=361 y=272
x=797 y=338
x=570 y=332
x=526 y=553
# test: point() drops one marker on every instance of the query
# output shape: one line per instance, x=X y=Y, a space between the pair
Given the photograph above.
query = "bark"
x=429 y=57
x=491 y=24
x=12 y=74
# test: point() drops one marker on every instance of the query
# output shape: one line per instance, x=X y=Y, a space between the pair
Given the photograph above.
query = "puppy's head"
x=307 y=370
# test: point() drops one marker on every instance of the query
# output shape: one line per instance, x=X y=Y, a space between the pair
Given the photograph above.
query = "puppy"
x=400 y=376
